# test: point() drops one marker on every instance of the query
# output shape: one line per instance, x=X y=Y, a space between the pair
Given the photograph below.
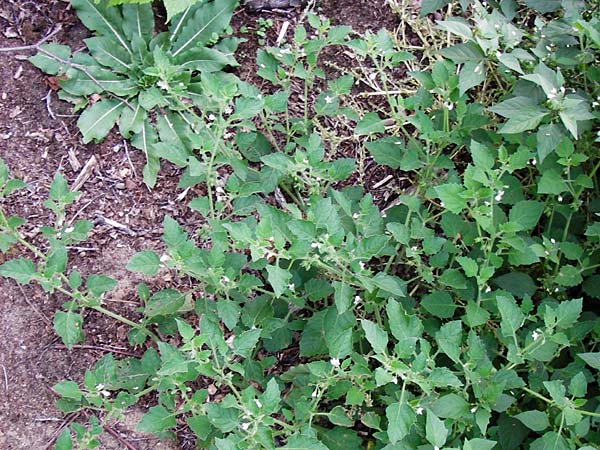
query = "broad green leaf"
x=527 y=119
x=435 y=430
x=48 y=64
x=400 y=417
x=244 y=343
x=544 y=6
x=449 y=339
x=98 y=284
x=568 y=276
x=338 y=331
x=526 y=214
x=450 y=406
x=370 y=123
x=512 y=317
x=69 y=326
x=156 y=420
x=165 y=302
x=343 y=296
x=338 y=416
x=57 y=261
x=457 y=26
x=175 y=7
x=517 y=283
x=146 y=262
x=68 y=389
x=197 y=25
x=20 y=269
x=303 y=442
x=138 y=21
x=479 y=444
x=429 y=6
x=108 y=53
x=104 y=20
x=593 y=359
x=440 y=304
x=97 y=120
x=377 y=337
x=388 y=151
x=229 y=312
x=534 y=420
x=64 y=442
x=451 y=196
x=407 y=329
x=144 y=141
x=472 y=74
x=389 y=283
x=59 y=191
x=279 y=279
x=206 y=59
x=551 y=183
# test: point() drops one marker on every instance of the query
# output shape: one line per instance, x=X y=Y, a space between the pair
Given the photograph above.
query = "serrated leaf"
x=163 y=303
x=22 y=270
x=69 y=326
x=370 y=123
x=592 y=359
x=400 y=420
x=146 y=262
x=449 y=339
x=512 y=317
x=435 y=430
x=429 y=6
x=98 y=284
x=64 y=442
x=440 y=304
x=244 y=343
x=279 y=279
x=526 y=214
x=568 y=276
x=57 y=261
x=377 y=337
x=472 y=74
x=156 y=420
x=97 y=120
x=338 y=416
x=451 y=196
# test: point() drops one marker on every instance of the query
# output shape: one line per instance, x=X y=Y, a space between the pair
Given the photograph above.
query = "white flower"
x=315 y=245
x=328 y=100
x=315 y=393
x=488 y=289
x=473 y=409
x=99 y=387
x=355 y=215
x=533 y=161
x=499 y=195
x=258 y=403
x=535 y=335
x=69 y=230
x=211 y=117
x=356 y=299
x=442 y=204
x=560 y=198
x=291 y=287
x=394 y=380
x=225 y=279
x=245 y=426
x=552 y=240
x=105 y=393
x=164 y=258
x=229 y=341
x=419 y=411
x=361 y=265
x=335 y=362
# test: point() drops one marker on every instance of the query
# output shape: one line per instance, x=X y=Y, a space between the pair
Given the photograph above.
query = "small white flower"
x=419 y=411
x=356 y=299
x=258 y=403
x=99 y=387
x=69 y=230
x=328 y=100
x=560 y=198
x=105 y=393
x=355 y=215
x=225 y=279
x=548 y=48
x=552 y=240
x=414 y=248
x=245 y=426
x=361 y=265
x=315 y=393
x=229 y=341
x=384 y=215
x=488 y=289
x=442 y=204
x=335 y=362
x=394 y=380
x=473 y=409
x=535 y=335
x=450 y=106
x=291 y=287
x=486 y=203
x=533 y=162
x=164 y=258
x=555 y=289
x=499 y=195
x=315 y=245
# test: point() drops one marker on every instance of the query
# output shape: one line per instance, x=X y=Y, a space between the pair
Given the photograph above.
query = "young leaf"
x=146 y=262
x=526 y=214
x=22 y=270
x=370 y=123
x=98 y=284
x=69 y=326
x=512 y=317
x=592 y=359
x=400 y=420
x=435 y=430
x=534 y=420
x=377 y=337
x=279 y=279
x=64 y=442
x=156 y=420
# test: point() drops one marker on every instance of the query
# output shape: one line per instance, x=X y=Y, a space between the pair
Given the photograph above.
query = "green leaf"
x=449 y=339
x=568 y=276
x=146 y=262
x=592 y=359
x=163 y=303
x=512 y=317
x=98 y=284
x=551 y=183
x=48 y=64
x=479 y=444
x=106 y=21
x=450 y=406
x=279 y=279
x=534 y=420
x=229 y=312
x=156 y=420
x=517 y=283
x=302 y=442
x=440 y=304
x=338 y=416
x=377 y=337
x=400 y=417
x=526 y=214
x=138 y=21
x=388 y=151
x=59 y=190
x=68 y=389
x=20 y=269
x=57 y=261
x=343 y=296
x=64 y=442
x=407 y=329
x=97 y=120
x=435 y=430
x=196 y=25
x=370 y=123
x=175 y=7
x=389 y=283
x=472 y=74
x=429 y=6
x=457 y=26
x=69 y=326
x=244 y=343
x=451 y=196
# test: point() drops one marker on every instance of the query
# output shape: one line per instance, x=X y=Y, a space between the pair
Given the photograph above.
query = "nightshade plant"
x=464 y=316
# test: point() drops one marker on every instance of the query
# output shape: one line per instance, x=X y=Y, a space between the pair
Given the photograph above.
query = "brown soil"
x=36 y=136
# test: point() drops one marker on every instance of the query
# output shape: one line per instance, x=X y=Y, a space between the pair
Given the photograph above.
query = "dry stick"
x=118 y=437
x=94 y=347
x=128 y=158
x=70 y=418
x=5 y=378
x=32 y=46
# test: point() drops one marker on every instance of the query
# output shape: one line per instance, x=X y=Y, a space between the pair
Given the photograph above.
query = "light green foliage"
x=462 y=317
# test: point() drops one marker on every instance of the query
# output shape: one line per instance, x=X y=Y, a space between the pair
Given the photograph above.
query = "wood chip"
x=85 y=174
x=73 y=161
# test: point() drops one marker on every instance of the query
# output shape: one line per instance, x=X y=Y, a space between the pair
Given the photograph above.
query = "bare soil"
x=37 y=134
